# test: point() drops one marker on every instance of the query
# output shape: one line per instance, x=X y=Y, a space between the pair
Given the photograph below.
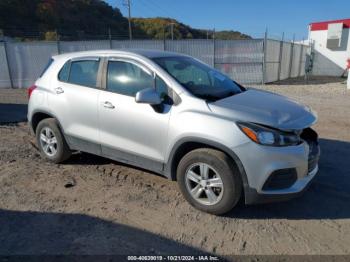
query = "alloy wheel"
x=48 y=141
x=204 y=184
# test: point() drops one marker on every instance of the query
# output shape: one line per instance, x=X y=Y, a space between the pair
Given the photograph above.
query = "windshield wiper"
x=213 y=98
x=209 y=98
x=231 y=93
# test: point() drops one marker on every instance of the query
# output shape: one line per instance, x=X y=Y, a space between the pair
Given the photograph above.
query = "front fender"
x=171 y=165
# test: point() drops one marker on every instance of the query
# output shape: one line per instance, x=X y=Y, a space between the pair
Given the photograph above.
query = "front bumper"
x=262 y=162
x=253 y=197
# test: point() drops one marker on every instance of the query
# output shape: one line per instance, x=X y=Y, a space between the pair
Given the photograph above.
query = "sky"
x=251 y=17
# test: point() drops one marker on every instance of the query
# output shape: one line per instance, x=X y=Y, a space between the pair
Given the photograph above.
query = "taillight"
x=30 y=90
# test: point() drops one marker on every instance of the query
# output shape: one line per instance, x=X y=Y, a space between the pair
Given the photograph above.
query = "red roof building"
x=330 y=42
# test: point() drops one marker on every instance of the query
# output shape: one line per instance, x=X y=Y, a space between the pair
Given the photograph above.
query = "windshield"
x=198 y=78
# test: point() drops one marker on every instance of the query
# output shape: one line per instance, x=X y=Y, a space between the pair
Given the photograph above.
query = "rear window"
x=46 y=67
x=83 y=72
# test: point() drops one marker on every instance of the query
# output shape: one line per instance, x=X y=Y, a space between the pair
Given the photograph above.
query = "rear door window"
x=84 y=72
x=80 y=72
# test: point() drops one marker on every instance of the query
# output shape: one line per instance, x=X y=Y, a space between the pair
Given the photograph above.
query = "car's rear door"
x=75 y=102
x=131 y=132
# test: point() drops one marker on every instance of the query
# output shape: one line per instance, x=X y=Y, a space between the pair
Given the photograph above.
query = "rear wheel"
x=209 y=181
x=51 y=142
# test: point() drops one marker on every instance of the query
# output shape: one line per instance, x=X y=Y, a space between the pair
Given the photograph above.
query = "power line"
x=143 y=12
x=170 y=14
x=159 y=12
x=149 y=7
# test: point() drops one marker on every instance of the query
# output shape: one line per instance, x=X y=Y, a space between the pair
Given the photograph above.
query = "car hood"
x=265 y=108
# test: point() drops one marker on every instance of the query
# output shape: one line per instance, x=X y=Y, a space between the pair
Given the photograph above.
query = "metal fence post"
x=58 y=42
x=291 y=59
x=164 y=41
x=264 y=59
x=280 y=58
x=214 y=48
x=110 y=38
x=301 y=58
x=8 y=64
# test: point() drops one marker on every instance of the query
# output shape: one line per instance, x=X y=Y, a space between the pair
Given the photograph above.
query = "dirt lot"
x=92 y=205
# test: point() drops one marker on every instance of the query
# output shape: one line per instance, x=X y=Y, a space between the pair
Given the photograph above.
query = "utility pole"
x=127 y=3
x=214 y=49
x=110 y=38
x=172 y=30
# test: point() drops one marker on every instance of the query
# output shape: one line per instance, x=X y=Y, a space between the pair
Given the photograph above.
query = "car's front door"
x=131 y=132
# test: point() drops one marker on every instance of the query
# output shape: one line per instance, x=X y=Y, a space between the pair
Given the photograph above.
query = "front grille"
x=281 y=179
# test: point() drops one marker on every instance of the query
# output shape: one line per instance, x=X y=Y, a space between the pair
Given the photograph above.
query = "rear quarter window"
x=64 y=73
x=49 y=63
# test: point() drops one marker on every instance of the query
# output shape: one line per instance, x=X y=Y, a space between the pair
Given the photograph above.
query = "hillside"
x=88 y=19
x=78 y=18
x=156 y=27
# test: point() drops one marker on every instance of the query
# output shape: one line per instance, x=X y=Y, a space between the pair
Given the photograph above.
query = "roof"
x=324 y=25
x=142 y=52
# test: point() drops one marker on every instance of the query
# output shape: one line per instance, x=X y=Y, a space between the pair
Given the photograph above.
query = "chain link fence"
x=252 y=61
x=240 y=59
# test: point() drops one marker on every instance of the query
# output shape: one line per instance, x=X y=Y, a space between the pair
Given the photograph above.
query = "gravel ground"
x=92 y=205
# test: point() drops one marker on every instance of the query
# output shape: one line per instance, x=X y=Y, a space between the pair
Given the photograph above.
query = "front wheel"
x=209 y=180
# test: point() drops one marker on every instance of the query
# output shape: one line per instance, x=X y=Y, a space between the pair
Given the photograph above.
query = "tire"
x=220 y=167
x=59 y=151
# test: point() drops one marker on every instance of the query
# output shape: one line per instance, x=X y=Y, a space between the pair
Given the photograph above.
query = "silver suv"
x=173 y=115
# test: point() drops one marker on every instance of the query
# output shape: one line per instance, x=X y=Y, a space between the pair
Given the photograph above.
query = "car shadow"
x=13 y=113
x=328 y=197
x=38 y=233
x=82 y=158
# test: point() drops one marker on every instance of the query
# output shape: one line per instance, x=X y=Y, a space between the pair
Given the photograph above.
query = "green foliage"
x=51 y=36
x=230 y=35
x=155 y=28
x=26 y=18
x=82 y=19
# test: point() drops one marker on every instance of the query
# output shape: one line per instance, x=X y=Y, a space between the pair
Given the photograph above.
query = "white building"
x=330 y=42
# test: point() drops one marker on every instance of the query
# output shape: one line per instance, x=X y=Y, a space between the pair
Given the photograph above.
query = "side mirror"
x=148 y=96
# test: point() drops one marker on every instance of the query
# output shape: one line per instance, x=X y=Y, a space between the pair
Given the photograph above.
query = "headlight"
x=268 y=136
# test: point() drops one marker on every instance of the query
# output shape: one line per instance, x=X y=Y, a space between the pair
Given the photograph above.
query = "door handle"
x=59 y=90
x=108 y=104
